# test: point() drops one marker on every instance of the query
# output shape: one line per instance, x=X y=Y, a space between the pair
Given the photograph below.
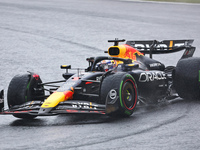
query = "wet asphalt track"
x=41 y=35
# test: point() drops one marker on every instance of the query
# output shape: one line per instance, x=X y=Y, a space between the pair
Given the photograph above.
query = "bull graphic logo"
x=131 y=52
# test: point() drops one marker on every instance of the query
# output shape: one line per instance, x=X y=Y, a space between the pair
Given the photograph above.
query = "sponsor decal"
x=84 y=105
x=155 y=65
x=151 y=76
x=130 y=53
x=162 y=46
x=113 y=94
x=112 y=97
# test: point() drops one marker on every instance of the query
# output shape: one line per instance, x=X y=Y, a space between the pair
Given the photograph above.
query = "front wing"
x=67 y=107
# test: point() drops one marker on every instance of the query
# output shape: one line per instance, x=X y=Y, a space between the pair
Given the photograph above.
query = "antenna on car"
x=116 y=41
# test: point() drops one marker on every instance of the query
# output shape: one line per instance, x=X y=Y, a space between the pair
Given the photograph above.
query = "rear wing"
x=164 y=47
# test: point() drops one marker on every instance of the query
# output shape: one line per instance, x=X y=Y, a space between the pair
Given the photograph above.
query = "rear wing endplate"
x=163 y=47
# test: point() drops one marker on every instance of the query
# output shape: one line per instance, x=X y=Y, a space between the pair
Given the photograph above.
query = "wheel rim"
x=129 y=94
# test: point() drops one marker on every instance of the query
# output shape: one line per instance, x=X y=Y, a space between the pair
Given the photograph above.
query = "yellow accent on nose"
x=53 y=100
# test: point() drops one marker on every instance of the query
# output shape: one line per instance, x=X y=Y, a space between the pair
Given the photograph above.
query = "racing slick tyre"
x=119 y=92
x=22 y=89
x=187 y=78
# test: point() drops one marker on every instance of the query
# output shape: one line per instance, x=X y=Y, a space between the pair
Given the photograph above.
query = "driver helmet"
x=108 y=64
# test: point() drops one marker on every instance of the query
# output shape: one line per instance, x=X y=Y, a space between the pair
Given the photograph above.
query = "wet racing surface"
x=41 y=35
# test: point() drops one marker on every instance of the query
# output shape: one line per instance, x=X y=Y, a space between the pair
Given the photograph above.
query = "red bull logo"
x=124 y=51
x=69 y=94
x=131 y=52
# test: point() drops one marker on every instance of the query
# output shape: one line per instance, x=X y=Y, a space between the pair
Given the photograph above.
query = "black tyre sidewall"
x=186 y=78
x=17 y=90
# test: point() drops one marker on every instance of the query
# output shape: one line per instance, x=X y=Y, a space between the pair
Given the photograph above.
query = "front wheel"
x=22 y=89
x=119 y=92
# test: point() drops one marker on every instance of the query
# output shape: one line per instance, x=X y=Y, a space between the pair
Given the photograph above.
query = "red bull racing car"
x=110 y=85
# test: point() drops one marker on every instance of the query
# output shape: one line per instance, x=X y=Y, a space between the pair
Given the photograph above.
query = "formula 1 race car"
x=110 y=85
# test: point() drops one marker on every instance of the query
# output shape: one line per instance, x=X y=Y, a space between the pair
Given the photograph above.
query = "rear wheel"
x=120 y=91
x=22 y=89
x=187 y=78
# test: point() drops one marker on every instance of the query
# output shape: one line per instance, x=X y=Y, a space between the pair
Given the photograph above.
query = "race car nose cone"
x=53 y=100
